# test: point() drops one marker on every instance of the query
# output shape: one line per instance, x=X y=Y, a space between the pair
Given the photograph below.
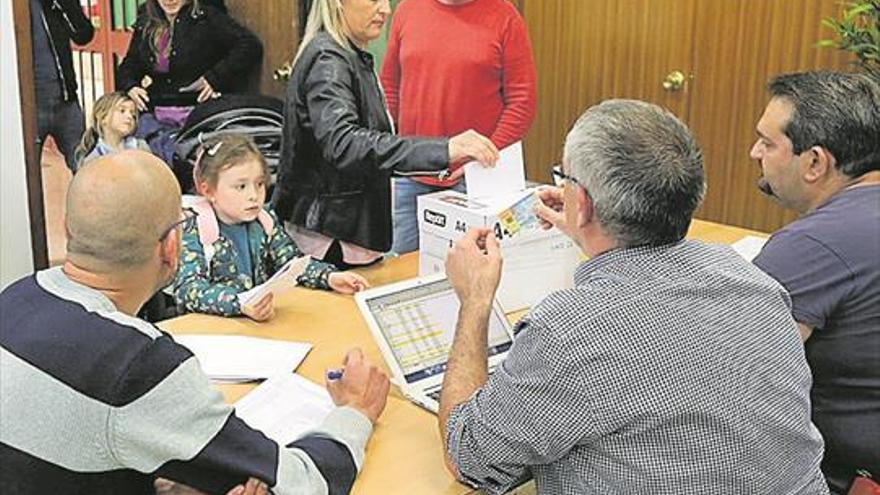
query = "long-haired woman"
x=183 y=52
x=339 y=149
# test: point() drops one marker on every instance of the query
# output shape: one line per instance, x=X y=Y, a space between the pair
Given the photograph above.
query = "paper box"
x=449 y=214
x=536 y=261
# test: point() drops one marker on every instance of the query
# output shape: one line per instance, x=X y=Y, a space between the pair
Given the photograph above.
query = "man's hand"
x=472 y=145
x=347 y=282
x=168 y=487
x=473 y=267
x=549 y=209
x=252 y=487
x=362 y=386
x=140 y=97
x=261 y=310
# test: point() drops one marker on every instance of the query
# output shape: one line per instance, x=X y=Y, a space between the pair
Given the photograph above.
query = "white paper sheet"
x=508 y=175
x=284 y=407
x=235 y=358
x=283 y=280
x=749 y=246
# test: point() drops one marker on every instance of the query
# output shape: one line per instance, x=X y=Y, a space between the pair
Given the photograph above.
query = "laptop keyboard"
x=435 y=394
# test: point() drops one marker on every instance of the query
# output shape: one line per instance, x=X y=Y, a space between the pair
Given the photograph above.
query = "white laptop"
x=413 y=323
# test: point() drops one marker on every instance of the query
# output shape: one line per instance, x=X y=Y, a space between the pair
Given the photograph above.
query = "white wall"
x=16 y=258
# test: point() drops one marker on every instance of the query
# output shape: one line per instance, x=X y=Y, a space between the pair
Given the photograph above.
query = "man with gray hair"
x=671 y=366
x=96 y=401
x=819 y=150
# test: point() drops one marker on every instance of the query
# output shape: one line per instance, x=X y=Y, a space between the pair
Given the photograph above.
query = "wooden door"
x=589 y=51
x=739 y=46
x=276 y=23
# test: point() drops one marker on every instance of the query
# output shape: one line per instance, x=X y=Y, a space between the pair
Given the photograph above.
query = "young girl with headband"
x=236 y=242
x=111 y=128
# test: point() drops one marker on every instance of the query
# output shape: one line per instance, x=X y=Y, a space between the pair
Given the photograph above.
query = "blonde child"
x=236 y=241
x=111 y=128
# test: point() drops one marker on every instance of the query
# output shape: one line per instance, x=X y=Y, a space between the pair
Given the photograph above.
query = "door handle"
x=283 y=72
x=674 y=81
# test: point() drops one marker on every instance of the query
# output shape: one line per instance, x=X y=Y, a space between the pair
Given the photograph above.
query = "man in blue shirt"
x=819 y=150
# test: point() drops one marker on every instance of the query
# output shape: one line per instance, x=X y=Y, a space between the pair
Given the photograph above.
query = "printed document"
x=285 y=407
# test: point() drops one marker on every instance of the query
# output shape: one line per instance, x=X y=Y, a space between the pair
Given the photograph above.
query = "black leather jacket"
x=206 y=42
x=66 y=22
x=338 y=149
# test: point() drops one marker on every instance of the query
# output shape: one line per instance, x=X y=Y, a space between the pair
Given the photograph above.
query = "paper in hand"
x=283 y=280
x=507 y=176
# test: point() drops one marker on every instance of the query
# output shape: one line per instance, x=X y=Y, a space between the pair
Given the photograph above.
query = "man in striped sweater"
x=94 y=400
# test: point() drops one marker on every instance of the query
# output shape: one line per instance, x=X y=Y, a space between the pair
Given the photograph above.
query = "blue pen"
x=334 y=374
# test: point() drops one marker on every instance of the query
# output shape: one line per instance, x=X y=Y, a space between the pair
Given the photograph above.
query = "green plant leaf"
x=831 y=23
x=856 y=31
x=860 y=9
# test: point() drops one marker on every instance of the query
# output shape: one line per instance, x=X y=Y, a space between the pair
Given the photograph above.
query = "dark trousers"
x=64 y=121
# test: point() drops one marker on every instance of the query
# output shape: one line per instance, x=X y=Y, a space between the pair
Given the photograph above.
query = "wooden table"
x=404 y=455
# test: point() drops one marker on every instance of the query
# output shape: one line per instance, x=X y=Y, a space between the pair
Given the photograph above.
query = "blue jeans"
x=64 y=121
x=406 y=226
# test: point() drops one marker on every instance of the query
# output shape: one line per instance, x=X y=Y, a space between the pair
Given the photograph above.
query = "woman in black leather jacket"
x=182 y=52
x=338 y=147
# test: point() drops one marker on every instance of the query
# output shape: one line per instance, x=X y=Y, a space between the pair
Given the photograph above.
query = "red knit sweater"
x=449 y=68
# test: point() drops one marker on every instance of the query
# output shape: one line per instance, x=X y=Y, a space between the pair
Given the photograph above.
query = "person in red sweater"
x=450 y=66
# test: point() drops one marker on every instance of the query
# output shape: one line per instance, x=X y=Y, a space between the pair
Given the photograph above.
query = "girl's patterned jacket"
x=209 y=281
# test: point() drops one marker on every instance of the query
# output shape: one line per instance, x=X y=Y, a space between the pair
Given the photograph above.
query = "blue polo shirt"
x=829 y=261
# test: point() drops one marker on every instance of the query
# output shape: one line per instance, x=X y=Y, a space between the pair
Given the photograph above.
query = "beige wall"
x=16 y=258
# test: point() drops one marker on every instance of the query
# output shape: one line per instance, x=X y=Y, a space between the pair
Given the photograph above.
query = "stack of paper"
x=283 y=280
x=749 y=246
x=233 y=358
x=284 y=407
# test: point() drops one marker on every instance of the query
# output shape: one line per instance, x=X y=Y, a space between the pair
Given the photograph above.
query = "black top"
x=206 y=43
x=338 y=148
x=65 y=22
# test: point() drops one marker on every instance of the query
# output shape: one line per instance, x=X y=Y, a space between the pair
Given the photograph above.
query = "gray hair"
x=837 y=111
x=642 y=169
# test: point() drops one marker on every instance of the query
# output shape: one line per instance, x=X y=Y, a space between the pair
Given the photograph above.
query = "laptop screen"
x=418 y=324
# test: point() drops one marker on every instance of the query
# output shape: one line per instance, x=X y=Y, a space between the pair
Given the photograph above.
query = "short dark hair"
x=642 y=168
x=837 y=111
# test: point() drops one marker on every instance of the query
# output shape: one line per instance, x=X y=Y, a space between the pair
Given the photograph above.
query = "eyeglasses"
x=560 y=176
x=187 y=220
